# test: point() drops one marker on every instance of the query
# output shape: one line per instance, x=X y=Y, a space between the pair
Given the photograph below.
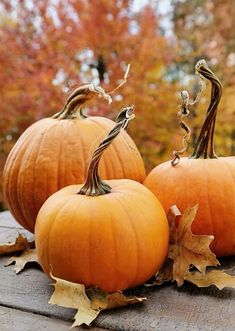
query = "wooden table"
x=24 y=303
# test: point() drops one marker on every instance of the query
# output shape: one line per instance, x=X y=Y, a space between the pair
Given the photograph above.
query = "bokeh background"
x=47 y=47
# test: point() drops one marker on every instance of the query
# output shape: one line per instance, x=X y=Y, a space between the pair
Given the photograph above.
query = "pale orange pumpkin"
x=202 y=178
x=113 y=234
x=53 y=153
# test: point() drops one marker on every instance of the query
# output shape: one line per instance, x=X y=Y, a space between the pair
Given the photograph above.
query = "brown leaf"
x=218 y=278
x=29 y=255
x=101 y=299
x=19 y=243
x=186 y=249
x=118 y=299
x=72 y=295
x=88 y=303
x=165 y=274
x=173 y=217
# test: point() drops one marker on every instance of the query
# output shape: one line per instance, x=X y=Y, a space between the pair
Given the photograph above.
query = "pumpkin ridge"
x=14 y=152
x=138 y=206
x=119 y=156
x=36 y=152
x=133 y=281
x=83 y=151
x=20 y=191
x=167 y=186
x=208 y=199
x=114 y=243
x=60 y=166
x=128 y=142
x=231 y=173
x=90 y=278
x=49 y=237
x=59 y=158
x=40 y=146
x=233 y=186
x=22 y=139
x=8 y=184
x=77 y=207
x=74 y=156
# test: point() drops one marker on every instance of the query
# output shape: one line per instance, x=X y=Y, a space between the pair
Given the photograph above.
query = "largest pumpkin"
x=53 y=153
x=203 y=178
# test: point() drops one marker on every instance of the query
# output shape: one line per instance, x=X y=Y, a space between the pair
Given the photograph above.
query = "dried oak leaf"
x=111 y=300
x=165 y=274
x=20 y=243
x=214 y=277
x=187 y=249
x=88 y=303
x=29 y=255
x=118 y=299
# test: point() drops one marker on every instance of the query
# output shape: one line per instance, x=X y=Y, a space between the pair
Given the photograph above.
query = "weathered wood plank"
x=9 y=235
x=167 y=308
x=7 y=220
x=16 y=320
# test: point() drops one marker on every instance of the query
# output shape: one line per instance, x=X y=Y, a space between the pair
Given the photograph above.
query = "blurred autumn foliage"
x=50 y=46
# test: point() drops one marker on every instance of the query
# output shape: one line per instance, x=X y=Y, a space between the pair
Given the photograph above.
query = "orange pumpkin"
x=113 y=234
x=53 y=153
x=202 y=178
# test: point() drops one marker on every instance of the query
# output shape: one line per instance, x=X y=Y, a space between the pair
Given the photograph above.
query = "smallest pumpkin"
x=112 y=235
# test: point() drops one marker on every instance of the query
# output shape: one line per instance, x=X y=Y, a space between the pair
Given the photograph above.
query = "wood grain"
x=17 y=320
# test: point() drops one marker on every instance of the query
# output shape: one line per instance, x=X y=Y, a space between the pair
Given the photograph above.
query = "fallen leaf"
x=72 y=295
x=101 y=299
x=218 y=278
x=20 y=243
x=98 y=298
x=187 y=249
x=29 y=255
x=165 y=274
x=118 y=299
x=89 y=302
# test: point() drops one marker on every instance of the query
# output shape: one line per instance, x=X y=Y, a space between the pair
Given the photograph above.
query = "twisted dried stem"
x=82 y=94
x=75 y=101
x=183 y=112
x=94 y=186
x=204 y=147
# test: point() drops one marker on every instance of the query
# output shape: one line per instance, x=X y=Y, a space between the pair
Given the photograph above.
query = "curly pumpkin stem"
x=204 y=147
x=94 y=185
x=82 y=94
x=183 y=112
